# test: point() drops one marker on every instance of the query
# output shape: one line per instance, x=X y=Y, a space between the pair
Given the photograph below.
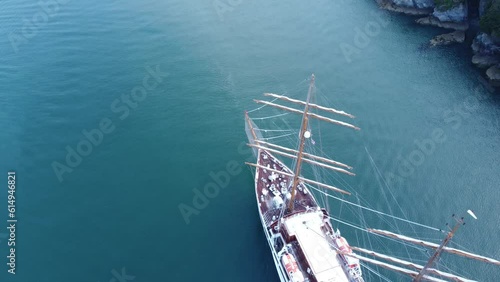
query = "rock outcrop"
x=485 y=44
x=448 y=38
x=486 y=52
x=424 y=7
x=454 y=14
x=433 y=21
x=457 y=14
x=420 y=4
x=484 y=61
x=493 y=74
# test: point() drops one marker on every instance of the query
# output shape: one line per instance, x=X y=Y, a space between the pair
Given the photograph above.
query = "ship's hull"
x=279 y=267
x=314 y=258
x=265 y=225
x=302 y=241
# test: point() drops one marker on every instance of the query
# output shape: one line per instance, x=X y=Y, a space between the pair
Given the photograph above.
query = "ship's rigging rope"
x=389 y=196
x=375 y=167
x=275 y=137
x=375 y=211
x=272 y=130
x=374 y=272
x=285 y=92
x=379 y=177
x=323 y=193
x=317 y=172
x=417 y=247
x=381 y=236
x=382 y=183
x=268 y=117
x=352 y=225
x=261 y=107
x=363 y=221
x=386 y=217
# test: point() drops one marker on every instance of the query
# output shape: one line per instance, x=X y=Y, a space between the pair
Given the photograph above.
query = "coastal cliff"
x=478 y=17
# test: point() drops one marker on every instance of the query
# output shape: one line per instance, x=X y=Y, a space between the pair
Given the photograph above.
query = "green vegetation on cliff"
x=490 y=22
x=444 y=5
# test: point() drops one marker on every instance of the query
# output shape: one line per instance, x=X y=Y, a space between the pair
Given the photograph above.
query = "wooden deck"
x=270 y=186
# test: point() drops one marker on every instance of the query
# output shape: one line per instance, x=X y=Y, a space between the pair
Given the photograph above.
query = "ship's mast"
x=302 y=136
x=446 y=240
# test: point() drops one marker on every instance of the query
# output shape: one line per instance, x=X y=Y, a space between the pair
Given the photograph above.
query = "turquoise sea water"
x=117 y=210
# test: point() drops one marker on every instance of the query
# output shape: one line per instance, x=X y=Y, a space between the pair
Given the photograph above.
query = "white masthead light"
x=307 y=134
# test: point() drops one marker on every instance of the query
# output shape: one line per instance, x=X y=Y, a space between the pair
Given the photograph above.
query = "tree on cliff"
x=444 y=5
x=490 y=22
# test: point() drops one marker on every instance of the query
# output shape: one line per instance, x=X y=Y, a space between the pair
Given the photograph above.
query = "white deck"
x=322 y=258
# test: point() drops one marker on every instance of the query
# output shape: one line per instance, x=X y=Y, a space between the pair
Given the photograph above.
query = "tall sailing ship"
x=304 y=244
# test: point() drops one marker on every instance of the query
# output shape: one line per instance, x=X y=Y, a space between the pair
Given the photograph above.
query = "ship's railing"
x=268 y=216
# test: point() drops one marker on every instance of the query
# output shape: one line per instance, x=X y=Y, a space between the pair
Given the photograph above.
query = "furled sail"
x=303 y=159
x=435 y=246
x=308 y=114
x=412 y=265
x=393 y=267
x=288 y=99
x=311 y=156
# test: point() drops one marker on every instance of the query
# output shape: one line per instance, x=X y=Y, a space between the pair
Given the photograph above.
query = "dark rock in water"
x=431 y=20
x=485 y=61
x=448 y=38
x=485 y=45
x=493 y=74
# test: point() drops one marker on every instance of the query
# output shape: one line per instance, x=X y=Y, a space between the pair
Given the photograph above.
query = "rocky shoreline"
x=457 y=15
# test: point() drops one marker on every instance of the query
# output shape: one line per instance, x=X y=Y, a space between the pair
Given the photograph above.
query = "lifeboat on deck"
x=350 y=264
x=292 y=268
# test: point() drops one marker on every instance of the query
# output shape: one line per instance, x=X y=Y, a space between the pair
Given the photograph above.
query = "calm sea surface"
x=114 y=213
